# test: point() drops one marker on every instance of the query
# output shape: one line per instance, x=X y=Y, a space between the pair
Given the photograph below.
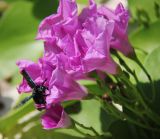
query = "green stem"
x=79 y=131
x=124 y=102
x=122 y=116
x=88 y=128
x=148 y=76
x=122 y=62
x=127 y=103
x=153 y=116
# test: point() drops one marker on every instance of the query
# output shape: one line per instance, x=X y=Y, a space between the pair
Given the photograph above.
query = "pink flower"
x=88 y=11
x=57 y=25
x=33 y=70
x=55 y=117
x=61 y=85
x=94 y=40
x=119 y=39
x=84 y=41
x=75 y=45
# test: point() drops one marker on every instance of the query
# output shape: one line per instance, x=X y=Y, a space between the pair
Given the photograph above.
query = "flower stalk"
x=148 y=76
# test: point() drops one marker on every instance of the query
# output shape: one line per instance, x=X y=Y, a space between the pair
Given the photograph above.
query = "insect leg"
x=28 y=79
x=23 y=101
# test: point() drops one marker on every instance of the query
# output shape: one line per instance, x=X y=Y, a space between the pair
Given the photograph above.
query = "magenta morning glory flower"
x=65 y=21
x=95 y=39
x=84 y=40
x=34 y=71
x=75 y=45
x=61 y=87
x=55 y=117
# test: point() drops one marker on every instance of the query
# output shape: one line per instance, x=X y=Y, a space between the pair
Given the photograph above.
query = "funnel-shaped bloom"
x=61 y=87
x=55 y=117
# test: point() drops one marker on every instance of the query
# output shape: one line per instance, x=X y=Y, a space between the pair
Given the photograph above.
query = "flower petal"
x=55 y=117
x=52 y=24
x=88 y=11
x=32 y=69
x=63 y=87
x=121 y=17
x=96 y=36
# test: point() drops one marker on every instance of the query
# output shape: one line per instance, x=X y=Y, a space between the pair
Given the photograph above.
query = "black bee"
x=38 y=93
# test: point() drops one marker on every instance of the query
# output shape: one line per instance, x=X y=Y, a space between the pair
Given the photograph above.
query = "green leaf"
x=18 y=29
x=147 y=39
x=146 y=5
x=11 y=0
x=82 y=1
x=133 y=65
x=92 y=87
x=39 y=133
x=94 y=118
x=122 y=130
x=9 y=121
x=44 y=8
x=85 y=2
x=16 y=23
x=152 y=64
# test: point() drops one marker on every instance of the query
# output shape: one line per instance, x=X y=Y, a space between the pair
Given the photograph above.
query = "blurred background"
x=19 y=20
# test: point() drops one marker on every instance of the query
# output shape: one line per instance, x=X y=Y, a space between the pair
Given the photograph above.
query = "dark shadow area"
x=5 y=105
x=147 y=92
x=125 y=130
x=44 y=8
x=74 y=109
x=106 y=120
x=1 y=106
x=120 y=130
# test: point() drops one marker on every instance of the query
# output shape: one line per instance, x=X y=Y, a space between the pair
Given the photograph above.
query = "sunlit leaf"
x=152 y=64
x=147 y=39
x=94 y=117
x=11 y=120
x=146 y=5
x=18 y=30
x=133 y=65
x=38 y=133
